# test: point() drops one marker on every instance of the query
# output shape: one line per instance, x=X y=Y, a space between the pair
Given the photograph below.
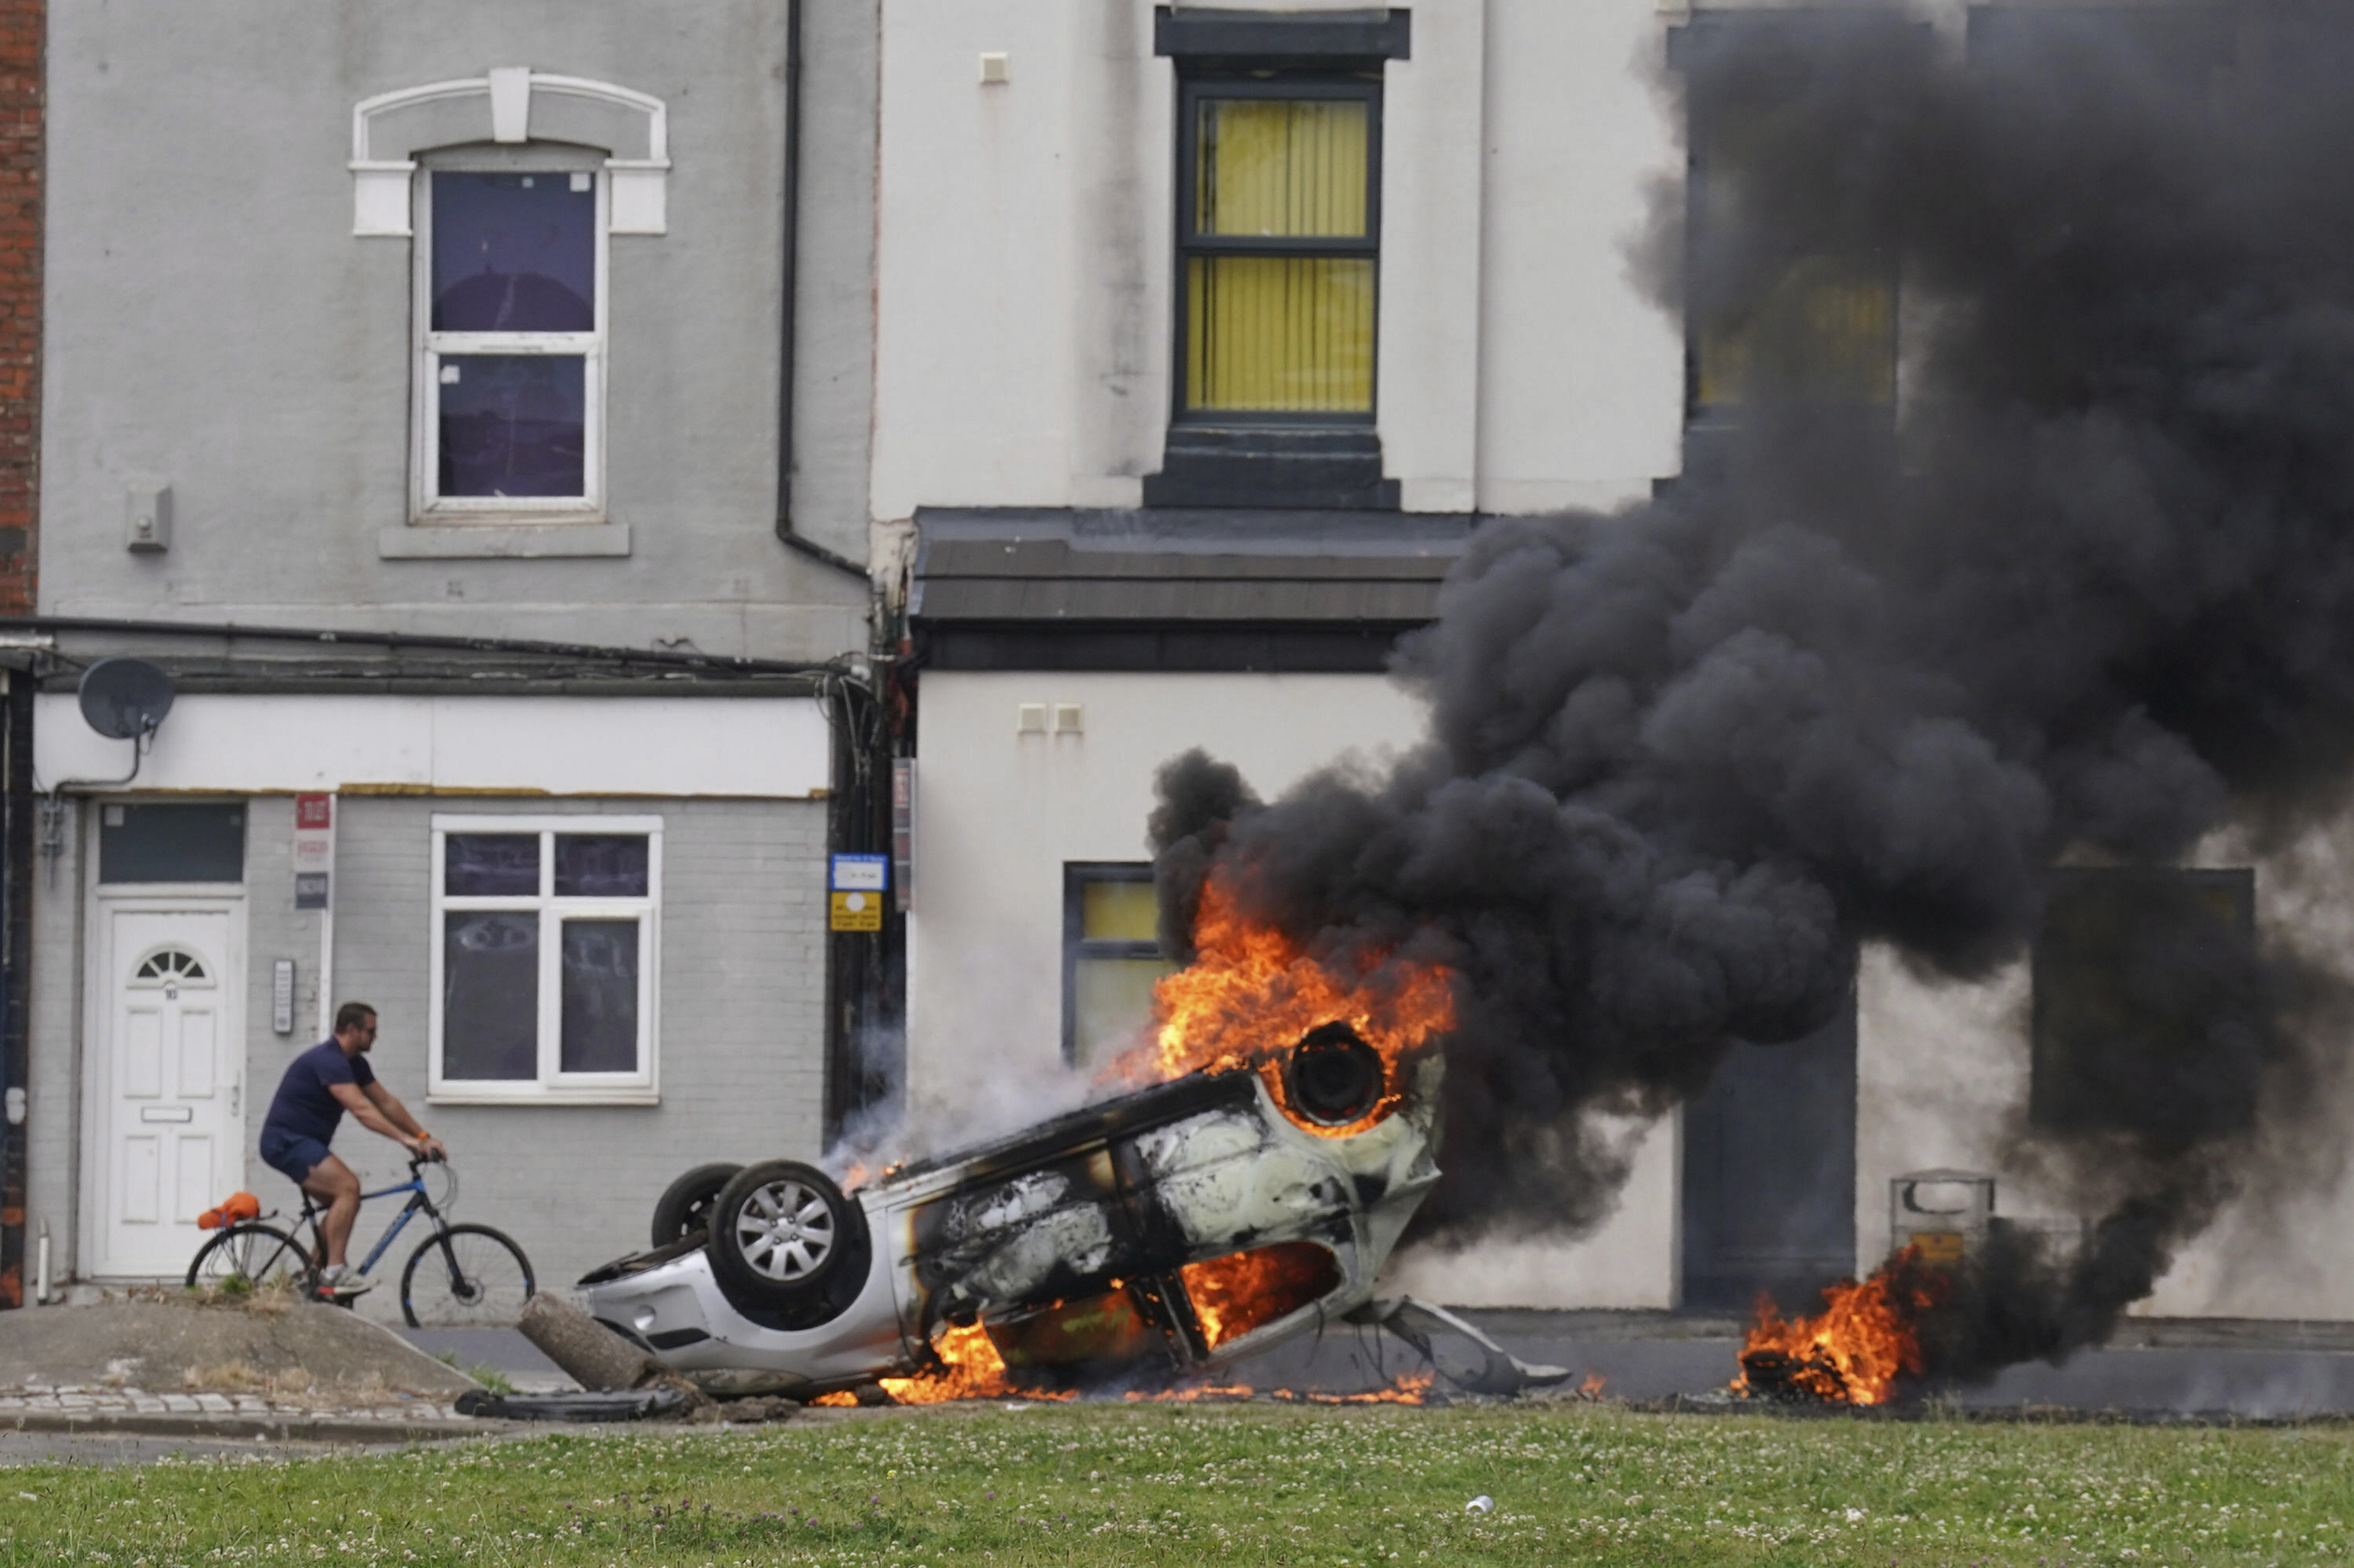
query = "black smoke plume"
x=2083 y=592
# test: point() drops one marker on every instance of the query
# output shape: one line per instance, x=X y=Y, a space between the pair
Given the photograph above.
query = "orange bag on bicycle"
x=241 y=1206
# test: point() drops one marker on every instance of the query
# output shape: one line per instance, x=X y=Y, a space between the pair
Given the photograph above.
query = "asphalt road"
x=517 y=1358
x=2255 y=1371
x=2254 y=1383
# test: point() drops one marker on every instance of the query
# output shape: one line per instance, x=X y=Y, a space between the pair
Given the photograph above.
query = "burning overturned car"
x=1252 y=1196
x=1166 y=1231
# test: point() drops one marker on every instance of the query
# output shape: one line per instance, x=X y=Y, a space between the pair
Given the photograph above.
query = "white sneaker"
x=336 y=1283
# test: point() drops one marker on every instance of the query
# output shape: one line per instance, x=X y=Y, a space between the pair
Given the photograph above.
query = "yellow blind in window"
x=1826 y=333
x=1290 y=334
x=1281 y=167
x=1118 y=911
x=1111 y=1004
x=1280 y=334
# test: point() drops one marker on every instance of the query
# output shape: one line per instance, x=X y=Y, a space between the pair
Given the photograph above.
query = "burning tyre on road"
x=1142 y=1238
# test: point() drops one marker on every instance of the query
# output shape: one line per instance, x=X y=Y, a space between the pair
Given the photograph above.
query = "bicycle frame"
x=415 y=1187
x=417 y=1200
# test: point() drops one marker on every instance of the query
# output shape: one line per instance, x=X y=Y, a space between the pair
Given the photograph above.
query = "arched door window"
x=170 y=969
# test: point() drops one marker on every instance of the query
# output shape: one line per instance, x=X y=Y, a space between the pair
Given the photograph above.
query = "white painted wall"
x=1023 y=326
x=1943 y=1075
x=1629 y=1263
x=998 y=812
x=1581 y=377
x=1427 y=392
x=756 y=748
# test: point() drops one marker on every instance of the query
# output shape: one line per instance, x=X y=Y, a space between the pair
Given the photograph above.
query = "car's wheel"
x=780 y=1232
x=1334 y=1077
x=684 y=1207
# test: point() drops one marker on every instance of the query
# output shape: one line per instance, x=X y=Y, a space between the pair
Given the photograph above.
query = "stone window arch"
x=510 y=105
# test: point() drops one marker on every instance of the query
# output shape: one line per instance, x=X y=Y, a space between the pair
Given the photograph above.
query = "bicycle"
x=481 y=1279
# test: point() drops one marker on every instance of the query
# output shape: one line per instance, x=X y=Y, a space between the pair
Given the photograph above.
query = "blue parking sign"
x=860 y=874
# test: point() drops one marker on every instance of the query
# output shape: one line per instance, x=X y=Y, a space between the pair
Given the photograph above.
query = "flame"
x=1854 y=1352
x=1252 y=993
x=1406 y=1388
x=1189 y=1395
x=970 y=1368
x=1246 y=1290
x=1409 y=1388
x=858 y=1173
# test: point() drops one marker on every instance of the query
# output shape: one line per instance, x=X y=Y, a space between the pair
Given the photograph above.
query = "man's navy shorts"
x=294 y=1155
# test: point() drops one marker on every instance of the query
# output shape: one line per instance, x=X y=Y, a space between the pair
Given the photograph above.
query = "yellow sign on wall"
x=856 y=912
x=1939 y=1249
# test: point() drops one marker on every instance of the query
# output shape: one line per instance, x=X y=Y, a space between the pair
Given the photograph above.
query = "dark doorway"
x=1769 y=1174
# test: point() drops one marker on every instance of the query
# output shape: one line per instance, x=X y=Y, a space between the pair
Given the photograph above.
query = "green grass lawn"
x=1256 y=1484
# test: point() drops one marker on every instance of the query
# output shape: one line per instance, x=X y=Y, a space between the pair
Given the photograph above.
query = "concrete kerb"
x=290 y=1373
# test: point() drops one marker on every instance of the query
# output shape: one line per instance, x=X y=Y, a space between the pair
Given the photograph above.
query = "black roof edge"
x=1256 y=647
x=1689 y=42
x=1204 y=531
x=1305 y=40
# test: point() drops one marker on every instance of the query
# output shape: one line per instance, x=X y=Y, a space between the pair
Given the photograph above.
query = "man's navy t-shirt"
x=303 y=1103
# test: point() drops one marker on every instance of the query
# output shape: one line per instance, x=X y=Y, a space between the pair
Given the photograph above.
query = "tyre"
x=1334 y=1077
x=684 y=1207
x=781 y=1233
x=467 y=1276
x=250 y=1255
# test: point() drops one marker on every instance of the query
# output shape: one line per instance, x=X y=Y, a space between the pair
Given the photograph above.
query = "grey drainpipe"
x=786 y=533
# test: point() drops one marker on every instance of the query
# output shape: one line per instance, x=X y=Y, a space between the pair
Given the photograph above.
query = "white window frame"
x=429 y=505
x=553 y=1085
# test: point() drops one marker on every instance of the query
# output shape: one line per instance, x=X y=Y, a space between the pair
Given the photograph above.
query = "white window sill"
x=532 y=1095
x=529 y=541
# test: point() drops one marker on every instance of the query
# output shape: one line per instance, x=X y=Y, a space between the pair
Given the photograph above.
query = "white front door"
x=170 y=1078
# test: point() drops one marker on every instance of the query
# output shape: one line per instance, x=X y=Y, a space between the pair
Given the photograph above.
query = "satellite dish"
x=124 y=699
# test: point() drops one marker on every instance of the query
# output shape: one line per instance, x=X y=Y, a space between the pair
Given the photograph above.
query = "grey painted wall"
x=53 y=1107
x=741 y=1020
x=212 y=321
x=834 y=368
x=742 y=1023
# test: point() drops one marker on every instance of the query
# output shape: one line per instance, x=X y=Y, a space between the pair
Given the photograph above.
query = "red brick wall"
x=22 y=98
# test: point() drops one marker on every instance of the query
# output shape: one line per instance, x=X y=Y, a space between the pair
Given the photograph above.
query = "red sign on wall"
x=315 y=850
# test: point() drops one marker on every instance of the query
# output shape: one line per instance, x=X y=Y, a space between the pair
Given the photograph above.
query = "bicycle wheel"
x=250 y=1255
x=465 y=1277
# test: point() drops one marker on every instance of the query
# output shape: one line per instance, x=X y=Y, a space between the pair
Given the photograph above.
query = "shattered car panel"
x=1162 y=1232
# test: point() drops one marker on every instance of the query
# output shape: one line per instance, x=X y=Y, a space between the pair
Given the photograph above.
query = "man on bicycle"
x=320 y=1086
